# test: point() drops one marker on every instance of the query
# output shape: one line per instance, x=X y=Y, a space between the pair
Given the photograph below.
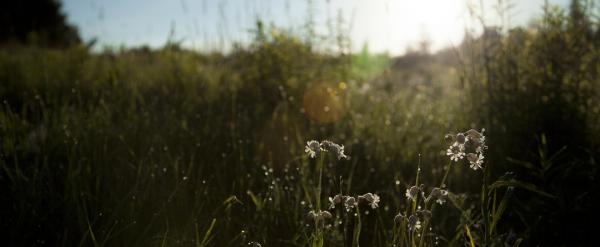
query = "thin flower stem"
x=318 y=235
x=484 y=205
x=426 y=223
x=357 y=227
x=412 y=238
x=423 y=231
x=448 y=167
x=418 y=171
x=414 y=204
x=320 y=164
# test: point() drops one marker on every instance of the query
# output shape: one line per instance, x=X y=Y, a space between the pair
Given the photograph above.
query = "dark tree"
x=38 y=22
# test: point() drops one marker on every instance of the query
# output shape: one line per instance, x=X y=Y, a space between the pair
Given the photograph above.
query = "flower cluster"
x=350 y=202
x=313 y=149
x=319 y=215
x=371 y=199
x=472 y=140
x=437 y=194
x=414 y=220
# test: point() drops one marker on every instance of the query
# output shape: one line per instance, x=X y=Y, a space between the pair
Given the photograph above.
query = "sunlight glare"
x=390 y=25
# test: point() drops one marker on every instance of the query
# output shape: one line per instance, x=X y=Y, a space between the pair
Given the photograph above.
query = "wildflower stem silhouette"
x=485 y=205
x=318 y=237
x=414 y=202
x=320 y=167
x=357 y=226
x=448 y=167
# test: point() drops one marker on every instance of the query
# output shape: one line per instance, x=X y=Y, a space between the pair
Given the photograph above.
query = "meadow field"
x=288 y=142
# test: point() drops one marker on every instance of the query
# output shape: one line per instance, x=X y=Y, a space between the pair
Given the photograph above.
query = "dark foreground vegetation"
x=171 y=147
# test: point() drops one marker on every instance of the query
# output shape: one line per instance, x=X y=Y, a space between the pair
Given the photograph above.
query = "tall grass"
x=167 y=147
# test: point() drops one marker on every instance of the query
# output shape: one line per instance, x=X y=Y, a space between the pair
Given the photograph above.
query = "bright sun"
x=392 y=25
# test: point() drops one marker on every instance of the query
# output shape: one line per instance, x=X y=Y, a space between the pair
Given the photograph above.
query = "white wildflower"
x=414 y=223
x=439 y=195
x=337 y=199
x=442 y=198
x=336 y=149
x=319 y=215
x=412 y=193
x=476 y=160
x=372 y=199
x=313 y=148
x=456 y=151
x=375 y=203
x=350 y=203
x=325 y=215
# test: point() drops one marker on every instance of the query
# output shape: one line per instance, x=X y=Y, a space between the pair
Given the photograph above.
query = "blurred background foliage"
x=171 y=146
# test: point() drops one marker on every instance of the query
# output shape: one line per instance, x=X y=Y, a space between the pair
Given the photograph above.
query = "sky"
x=385 y=25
